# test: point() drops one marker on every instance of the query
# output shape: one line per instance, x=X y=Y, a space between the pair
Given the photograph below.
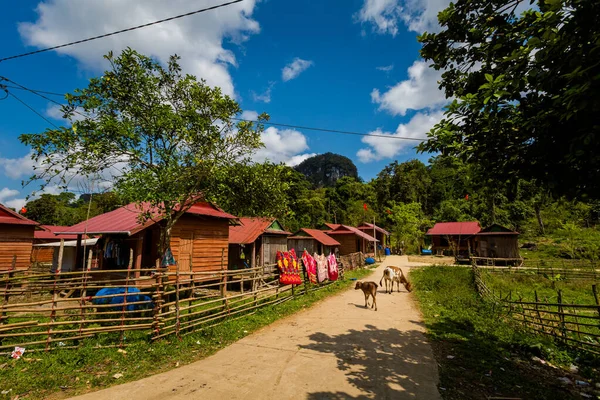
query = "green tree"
x=44 y=210
x=324 y=170
x=525 y=88
x=409 y=225
x=171 y=136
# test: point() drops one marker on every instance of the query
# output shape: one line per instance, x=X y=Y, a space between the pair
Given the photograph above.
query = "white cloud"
x=386 y=68
x=6 y=193
x=386 y=15
x=384 y=147
x=264 y=97
x=17 y=168
x=417 y=15
x=249 y=115
x=198 y=39
x=419 y=91
x=382 y=14
x=15 y=203
x=282 y=145
x=295 y=68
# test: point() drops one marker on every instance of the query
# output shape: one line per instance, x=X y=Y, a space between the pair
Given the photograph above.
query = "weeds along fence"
x=574 y=325
x=48 y=311
x=573 y=270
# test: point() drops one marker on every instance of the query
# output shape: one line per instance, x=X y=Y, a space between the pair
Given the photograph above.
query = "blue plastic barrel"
x=388 y=252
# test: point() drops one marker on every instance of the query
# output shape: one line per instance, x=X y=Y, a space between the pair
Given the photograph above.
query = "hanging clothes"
x=289 y=272
x=321 y=267
x=311 y=266
x=333 y=267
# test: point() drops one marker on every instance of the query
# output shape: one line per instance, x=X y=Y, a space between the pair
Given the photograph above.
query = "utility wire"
x=308 y=128
x=31 y=90
x=38 y=93
x=120 y=31
x=332 y=130
x=32 y=109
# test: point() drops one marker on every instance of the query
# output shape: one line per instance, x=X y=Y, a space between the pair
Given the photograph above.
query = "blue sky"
x=338 y=64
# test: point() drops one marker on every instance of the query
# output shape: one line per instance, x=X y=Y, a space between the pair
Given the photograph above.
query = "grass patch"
x=480 y=352
x=67 y=373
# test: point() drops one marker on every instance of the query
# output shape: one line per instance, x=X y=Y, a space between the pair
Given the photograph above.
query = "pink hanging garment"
x=321 y=267
x=333 y=268
x=311 y=266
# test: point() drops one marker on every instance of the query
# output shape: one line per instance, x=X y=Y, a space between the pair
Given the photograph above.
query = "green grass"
x=489 y=355
x=66 y=373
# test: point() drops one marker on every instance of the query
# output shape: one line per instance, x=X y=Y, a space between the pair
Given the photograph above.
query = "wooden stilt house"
x=454 y=238
x=497 y=242
x=199 y=239
x=16 y=240
x=351 y=239
x=313 y=240
x=380 y=234
x=255 y=242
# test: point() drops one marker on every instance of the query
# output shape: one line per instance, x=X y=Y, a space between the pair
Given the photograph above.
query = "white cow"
x=394 y=274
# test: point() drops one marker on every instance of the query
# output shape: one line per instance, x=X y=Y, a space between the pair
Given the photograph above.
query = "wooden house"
x=255 y=241
x=380 y=234
x=313 y=240
x=16 y=239
x=351 y=239
x=328 y=226
x=454 y=238
x=199 y=239
x=497 y=242
x=48 y=234
x=69 y=260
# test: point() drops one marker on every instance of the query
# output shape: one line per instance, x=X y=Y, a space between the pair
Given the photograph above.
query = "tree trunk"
x=538 y=215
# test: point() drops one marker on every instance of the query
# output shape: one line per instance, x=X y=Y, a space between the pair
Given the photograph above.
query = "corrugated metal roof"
x=318 y=235
x=48 y=233
x=332 y=226
x=8 y=216
x=125 y=220
x=496 y=229
x=346 y=230
x=366 y=226
x=251 y=229
x=455 y=228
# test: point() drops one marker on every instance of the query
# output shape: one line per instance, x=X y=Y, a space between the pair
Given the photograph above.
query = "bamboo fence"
x=573 y=325
x=45 y=311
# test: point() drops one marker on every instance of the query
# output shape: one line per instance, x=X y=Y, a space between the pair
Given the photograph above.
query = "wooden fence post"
x=537 y=310
x=561 y=315
x=595 y=291
x=124 y=308
x=7 y=287
x=177 y=308
x=223 y=279
x=55 y=293
x=84 y=290
x=156 y=311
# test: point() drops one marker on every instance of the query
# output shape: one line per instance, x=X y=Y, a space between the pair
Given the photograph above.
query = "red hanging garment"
x=311 y=266
x=333 y=267
x=289 y=272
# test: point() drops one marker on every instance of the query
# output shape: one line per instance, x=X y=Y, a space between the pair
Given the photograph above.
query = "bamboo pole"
x=177 y=305
x=124 y=308
x=561 y=316
x=54 y=292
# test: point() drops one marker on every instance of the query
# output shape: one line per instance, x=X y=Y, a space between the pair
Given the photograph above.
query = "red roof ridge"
x=14 y=218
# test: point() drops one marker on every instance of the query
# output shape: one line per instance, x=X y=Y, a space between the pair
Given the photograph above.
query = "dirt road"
x=335 y=350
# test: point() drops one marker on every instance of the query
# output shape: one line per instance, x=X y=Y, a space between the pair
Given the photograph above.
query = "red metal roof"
x=367 y=226
x=318 y=235
x=332 y=226
x=455 y=228
x=48 y=233
x=251 y=229
x=8 y=216
x=125 y=220
x=346 y=230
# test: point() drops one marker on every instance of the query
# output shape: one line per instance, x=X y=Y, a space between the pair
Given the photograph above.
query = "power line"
x=120 y=31
x=38 y=93
x=32 y=90
x=332 y=130
x=308 y=128
x=32 y=109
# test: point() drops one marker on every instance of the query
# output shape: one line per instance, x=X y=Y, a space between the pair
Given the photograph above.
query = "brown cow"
x=369 y=289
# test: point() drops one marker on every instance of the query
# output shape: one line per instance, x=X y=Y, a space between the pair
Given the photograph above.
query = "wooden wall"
x=348 y=243
x=204 y=238
x=311 y=245
x=16 y=240
x=498 y=246
x=270 y=246
x=42 y=254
